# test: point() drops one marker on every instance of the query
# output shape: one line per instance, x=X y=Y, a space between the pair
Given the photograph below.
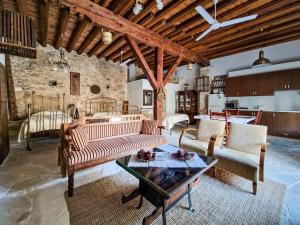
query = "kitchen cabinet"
x=287 y=80
x=232 y=86
x=252 y=85
x=267 y=120
x=286 y=124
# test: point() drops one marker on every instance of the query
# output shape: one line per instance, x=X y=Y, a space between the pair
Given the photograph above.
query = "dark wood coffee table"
x=163 y=187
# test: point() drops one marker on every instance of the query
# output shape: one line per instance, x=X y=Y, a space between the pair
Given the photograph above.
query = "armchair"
x=207 y=130
x=245 y=152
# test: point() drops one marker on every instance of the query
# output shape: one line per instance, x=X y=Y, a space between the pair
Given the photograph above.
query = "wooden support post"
x=4 y=138
x=158 y=102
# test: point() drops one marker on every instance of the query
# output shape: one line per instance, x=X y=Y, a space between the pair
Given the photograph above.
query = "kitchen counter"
x=278 y=111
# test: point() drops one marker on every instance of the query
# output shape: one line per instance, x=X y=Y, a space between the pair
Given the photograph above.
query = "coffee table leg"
x=140 y=203
x=164 y=218
x=190 y=202
x=132 y=195
x=156 y=213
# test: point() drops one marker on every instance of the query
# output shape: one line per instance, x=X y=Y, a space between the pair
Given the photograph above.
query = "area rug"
x=225 y=200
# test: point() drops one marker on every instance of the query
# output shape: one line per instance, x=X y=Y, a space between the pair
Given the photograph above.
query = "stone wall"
x=34 y=75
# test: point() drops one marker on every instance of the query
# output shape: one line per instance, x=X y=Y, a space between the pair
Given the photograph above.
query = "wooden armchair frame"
x=263 y=150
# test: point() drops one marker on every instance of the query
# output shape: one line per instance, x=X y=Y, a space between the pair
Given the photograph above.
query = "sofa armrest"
x=262 y=162
x=212 y=143
x=184 y=131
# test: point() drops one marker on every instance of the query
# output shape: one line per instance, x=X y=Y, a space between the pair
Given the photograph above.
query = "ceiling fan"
x=215 y=24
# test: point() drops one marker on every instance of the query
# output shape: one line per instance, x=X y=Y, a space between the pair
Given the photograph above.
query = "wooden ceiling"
x=278 y=22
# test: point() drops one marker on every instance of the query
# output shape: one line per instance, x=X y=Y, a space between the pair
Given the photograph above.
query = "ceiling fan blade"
x=205 y=15
x=238 y=20
x=204 y=34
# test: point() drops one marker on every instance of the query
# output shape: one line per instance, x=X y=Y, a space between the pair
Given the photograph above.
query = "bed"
x=104 y=106
x=169 y=119
x=45 y=114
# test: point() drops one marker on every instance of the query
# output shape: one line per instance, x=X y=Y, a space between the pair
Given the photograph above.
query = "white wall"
x=2 y=59
x=286 y=52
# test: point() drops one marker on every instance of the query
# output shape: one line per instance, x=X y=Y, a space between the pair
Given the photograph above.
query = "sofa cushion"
x=144 y=140
x=112 y=146
x=237 y=162
x=98 y=149
x=150 y=127
x=80 y=138
x=101 y=131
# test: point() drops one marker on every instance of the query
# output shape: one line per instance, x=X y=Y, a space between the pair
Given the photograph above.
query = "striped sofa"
x=87 y=145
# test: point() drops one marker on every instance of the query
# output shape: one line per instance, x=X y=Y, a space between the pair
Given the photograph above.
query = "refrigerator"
x=216 y=102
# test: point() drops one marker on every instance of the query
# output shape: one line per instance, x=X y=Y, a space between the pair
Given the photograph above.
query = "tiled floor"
x=32 y=192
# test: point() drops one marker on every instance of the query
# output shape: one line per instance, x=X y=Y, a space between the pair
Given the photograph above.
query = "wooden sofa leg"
x=213 y=171
x=63 y=170
x=254 y=186
x=71 y=184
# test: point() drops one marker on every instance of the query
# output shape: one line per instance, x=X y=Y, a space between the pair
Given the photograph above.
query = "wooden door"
x=4 y=138
x=181 y=102
x=232 y=87
x=267 y=120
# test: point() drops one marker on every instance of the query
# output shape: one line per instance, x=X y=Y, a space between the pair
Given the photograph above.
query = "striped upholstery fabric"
x=80 y=138
x=144 y=140
x=150 y=127
x=99 y=149
x=100 y=131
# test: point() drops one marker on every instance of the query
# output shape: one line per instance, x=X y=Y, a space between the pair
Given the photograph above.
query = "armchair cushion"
x=150 y=127
x=207 y=128
x=80 y=138
x=247 y=138
x=194 y=146
x=241 y=163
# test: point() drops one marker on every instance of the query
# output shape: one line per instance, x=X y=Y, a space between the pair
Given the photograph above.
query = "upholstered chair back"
x=207 y=128
x=247 y=138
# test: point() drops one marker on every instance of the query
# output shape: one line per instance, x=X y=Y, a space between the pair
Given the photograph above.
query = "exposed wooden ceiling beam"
x=77 y=33
x=104 y=17
x=148 y=72
x=171 y=71
x=62 y=27
x=44 y=20
x=90 y=38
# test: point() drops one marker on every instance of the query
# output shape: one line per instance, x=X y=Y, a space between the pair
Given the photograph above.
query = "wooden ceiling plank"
x=171 y=71
x=106 y=3
x=77 y=32
x=232 y=32
x=128 y=6
x=271 y=41
x=112 y=48
x=148 y=72
x=104 y=17
x=44 y=21
x=22 y=6
x=62 y=27
x=91 y=37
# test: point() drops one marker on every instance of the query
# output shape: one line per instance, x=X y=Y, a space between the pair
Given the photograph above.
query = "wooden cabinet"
x=267 y=120
x=286 y=124
x=263 y=84
x=187 y=103
x=252 y=85
x=232 y=86
x=287 y=80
